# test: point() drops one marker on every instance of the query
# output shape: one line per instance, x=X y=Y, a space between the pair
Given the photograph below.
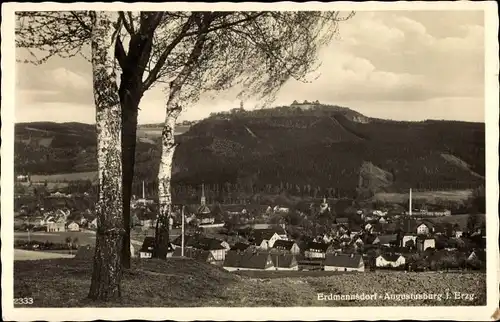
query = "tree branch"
x=128 y=27
x=229 y=24
x=120 y=54
x=153 y=75
x=80 y=21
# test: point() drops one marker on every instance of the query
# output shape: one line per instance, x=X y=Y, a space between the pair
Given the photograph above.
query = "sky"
x=400 y=65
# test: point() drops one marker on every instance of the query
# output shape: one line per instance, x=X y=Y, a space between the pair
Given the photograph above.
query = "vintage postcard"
x=250 y=161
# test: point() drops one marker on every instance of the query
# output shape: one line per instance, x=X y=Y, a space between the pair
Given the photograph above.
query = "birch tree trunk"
x=107 y=269
x=173 y=108
x=165 y=174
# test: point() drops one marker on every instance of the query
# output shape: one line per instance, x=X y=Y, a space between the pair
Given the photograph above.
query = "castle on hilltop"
x=306 y=104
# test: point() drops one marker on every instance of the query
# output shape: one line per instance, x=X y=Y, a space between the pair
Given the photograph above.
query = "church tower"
x=203 y=201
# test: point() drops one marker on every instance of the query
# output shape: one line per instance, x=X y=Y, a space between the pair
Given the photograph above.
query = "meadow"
x=182 y=282
x=429 y=196
x=65 y=177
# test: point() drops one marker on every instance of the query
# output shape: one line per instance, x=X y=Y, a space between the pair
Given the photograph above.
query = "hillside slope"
x=296 y=149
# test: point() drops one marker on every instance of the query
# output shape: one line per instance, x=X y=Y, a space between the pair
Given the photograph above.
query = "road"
x=23 y=255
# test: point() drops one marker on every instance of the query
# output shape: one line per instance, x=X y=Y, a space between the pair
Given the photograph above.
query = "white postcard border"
x=307 y=313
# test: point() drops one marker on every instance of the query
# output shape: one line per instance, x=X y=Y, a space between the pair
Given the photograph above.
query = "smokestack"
x=143 y=191
x=410 y=206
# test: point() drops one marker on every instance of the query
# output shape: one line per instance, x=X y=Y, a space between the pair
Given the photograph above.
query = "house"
x=265 y=238
x=407 y=238
x=280 y=209
x=389 y=260
x=216 y=247
x=200 y=255
x=327 y=238
x=210 y=222
x=57 y=226
x=239 y=246
x=344 y=262
x=425 y=228
x=285 y=262
x=477 y=254
x=252 y=261
x=315 y=250
x=324 y=206
x=387 y=240
x=93 y=224
x=287 y=245
x=73 y=226
x=334 y=247
x=423 y=243
x=147 y=248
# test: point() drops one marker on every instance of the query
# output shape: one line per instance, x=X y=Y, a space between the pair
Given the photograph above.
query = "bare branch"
x=153 y=75
x=126 y=24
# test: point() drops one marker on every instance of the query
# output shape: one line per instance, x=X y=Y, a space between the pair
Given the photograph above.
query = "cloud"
x=64 y=78
x=408 y=60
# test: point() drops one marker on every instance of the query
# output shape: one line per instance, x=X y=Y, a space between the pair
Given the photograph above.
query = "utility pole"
x=182 y=232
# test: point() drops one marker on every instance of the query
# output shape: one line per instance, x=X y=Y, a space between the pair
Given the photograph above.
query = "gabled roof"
x=343 y=260
x=428 y=223
x=255 y=260
x=390 y=257
x=284 y=260
x=200 y=242
x=203 y=210
x=479 y=254
x=148 y=245
x=284 y=244
x=240 y=246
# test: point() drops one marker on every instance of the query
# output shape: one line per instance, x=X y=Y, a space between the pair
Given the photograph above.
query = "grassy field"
x=25 y=255
x=461 y=220
x=181 y=282
x=62 y=177
x=429 y=196
x=84 y=237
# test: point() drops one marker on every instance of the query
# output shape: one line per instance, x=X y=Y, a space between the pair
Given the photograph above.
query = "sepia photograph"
x=332 y=160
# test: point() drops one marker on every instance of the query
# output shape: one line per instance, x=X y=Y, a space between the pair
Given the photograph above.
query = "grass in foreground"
x=187 y=283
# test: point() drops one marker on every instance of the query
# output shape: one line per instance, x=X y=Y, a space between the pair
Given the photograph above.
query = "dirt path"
x=22 y=255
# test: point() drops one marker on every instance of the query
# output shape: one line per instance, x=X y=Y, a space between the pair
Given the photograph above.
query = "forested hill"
x=293 y=148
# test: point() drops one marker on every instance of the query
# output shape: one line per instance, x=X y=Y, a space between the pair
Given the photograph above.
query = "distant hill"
x=289 y=148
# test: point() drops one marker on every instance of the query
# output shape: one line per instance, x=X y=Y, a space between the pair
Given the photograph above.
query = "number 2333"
x=23 y=300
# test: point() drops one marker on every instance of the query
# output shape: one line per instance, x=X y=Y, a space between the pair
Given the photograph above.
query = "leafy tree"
x=188 y=49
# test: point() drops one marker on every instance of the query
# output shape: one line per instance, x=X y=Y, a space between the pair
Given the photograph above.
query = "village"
x=238 y=239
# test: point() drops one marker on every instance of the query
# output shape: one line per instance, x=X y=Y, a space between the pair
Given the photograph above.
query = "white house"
x=281 y=209
x=315 y=250
x=386 y=260
x=73 y=226
x=407 y=238
x=58 y=226
x=344 y=263
x=424 y=228
x=266 y=239
x=93 y=223
x=424 y=243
